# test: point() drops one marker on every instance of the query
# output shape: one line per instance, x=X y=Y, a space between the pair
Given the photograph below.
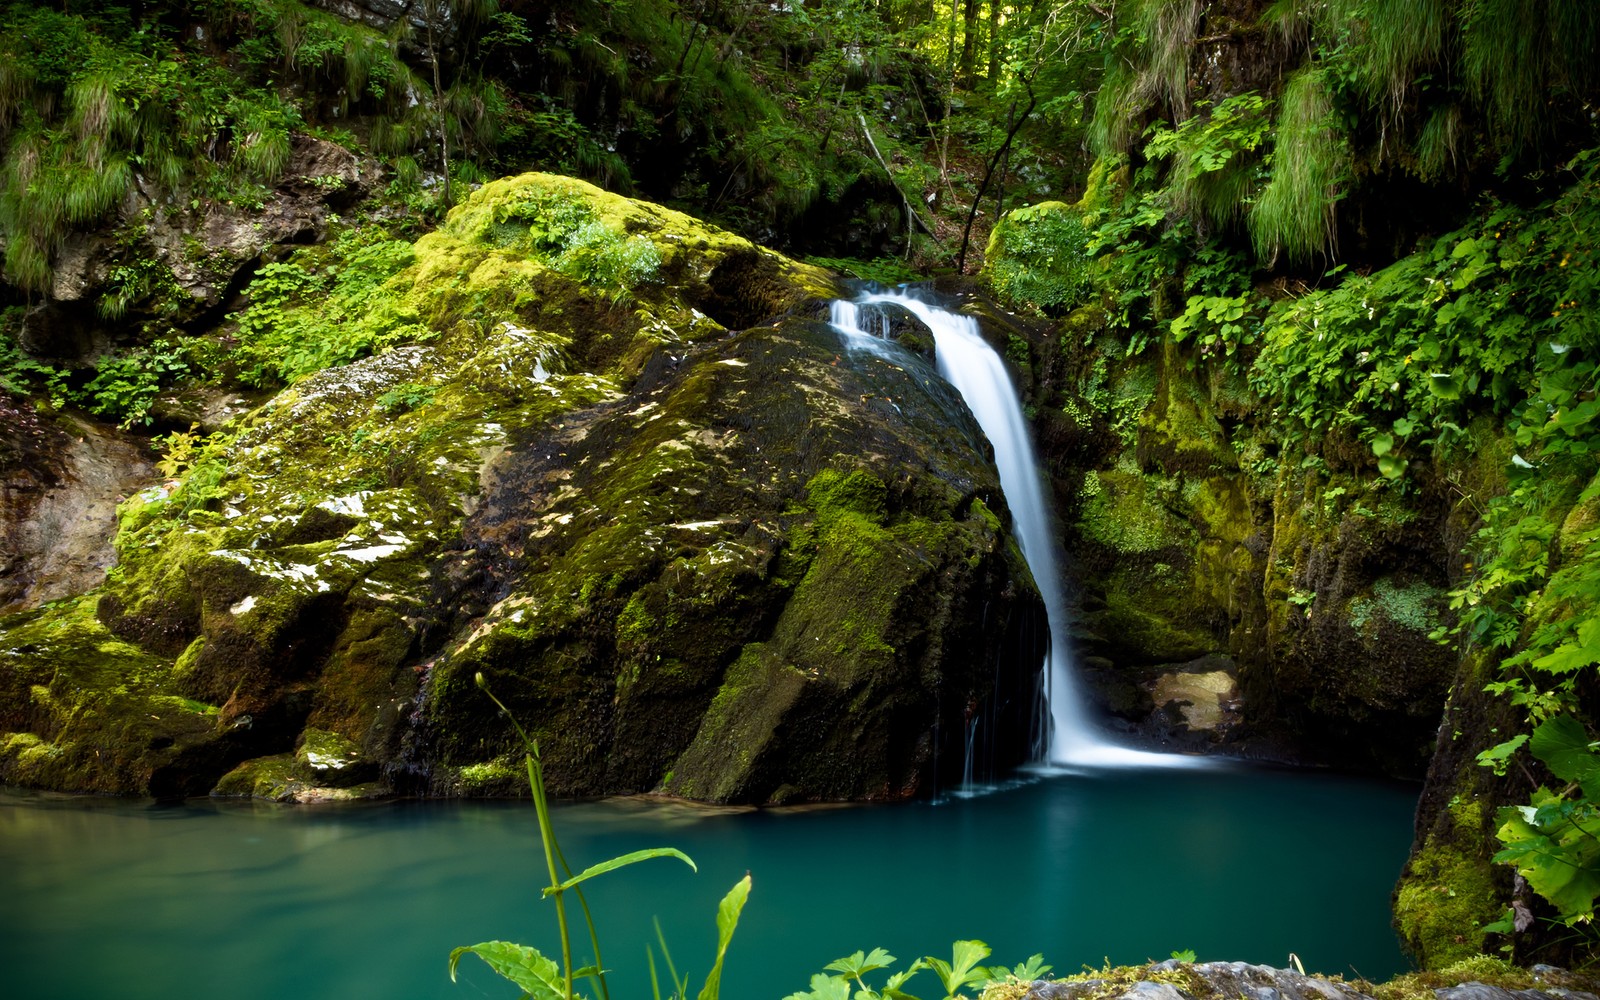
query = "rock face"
x=188 y=258
x=60 y=483
x=692 y=544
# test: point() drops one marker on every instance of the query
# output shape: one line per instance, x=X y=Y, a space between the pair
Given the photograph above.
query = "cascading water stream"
x=972 y=367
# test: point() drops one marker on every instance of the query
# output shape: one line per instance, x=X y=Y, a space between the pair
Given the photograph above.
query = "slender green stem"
x=547 y=837
x=588 y=918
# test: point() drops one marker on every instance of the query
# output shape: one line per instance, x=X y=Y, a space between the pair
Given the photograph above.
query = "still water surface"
x=256 y=902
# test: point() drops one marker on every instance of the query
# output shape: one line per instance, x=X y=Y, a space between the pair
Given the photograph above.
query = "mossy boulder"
x=597 y=464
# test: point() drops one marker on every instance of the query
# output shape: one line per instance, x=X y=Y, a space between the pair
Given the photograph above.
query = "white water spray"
x=972 y=367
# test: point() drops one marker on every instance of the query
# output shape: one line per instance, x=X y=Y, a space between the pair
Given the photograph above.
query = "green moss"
x=501 y=776
x=1129 y=512
x=832 y=492
x=1484 y=969
x=1446 y=893
x=273 y=778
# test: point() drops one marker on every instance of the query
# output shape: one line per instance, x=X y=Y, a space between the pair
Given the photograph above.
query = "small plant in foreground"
x=956 y=975
x=539 y=977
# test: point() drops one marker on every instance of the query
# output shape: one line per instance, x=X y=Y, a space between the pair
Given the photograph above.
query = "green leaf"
x=1383 y=444
x=1497 y=757
x=892 y=990
x=621 y=862
x=824 y=987
x=859 y=964
x=1444 y=385
x=727 y=920
x=1574 y=654
x=536 y=975
x=1564 y=746
x=960 y=970
x=1391 y=466
x=1561 y=863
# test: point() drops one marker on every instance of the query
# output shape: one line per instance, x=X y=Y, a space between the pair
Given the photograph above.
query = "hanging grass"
x=1167 y=29
x=1295 y=213
x=1516 y=54
x=1395 y=44
x=1439 y=145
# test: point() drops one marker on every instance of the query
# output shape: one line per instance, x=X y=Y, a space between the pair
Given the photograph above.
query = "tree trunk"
x=432 y=10
x=969 y=42
x=995 y=48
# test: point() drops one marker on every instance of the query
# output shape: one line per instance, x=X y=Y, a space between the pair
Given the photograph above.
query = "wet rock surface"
x=694 y=545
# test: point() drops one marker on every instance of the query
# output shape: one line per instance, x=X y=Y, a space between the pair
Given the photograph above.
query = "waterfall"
x=972 y=367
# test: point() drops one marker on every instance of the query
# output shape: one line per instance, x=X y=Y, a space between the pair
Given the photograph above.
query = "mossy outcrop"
x=611 y=464
x=1318 y=583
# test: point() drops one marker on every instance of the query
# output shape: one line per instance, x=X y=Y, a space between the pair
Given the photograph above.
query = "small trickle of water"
x=864 y=328
x=975 y=370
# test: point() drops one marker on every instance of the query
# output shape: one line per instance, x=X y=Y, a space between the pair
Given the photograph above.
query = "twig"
x=910 y=209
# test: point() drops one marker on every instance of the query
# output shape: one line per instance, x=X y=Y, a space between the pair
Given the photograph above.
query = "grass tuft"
x=1296 y=212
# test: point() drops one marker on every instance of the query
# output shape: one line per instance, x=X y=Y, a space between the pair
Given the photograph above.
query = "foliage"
x=1370 y=90
x=1038 y=257
x=540 y=977
x=125 y=386
x=1504 y=322
x=1489 y=318
x=1220 y=324
x=956 y=975
x=879 y=270
x=1213 y=158
x=303 y=318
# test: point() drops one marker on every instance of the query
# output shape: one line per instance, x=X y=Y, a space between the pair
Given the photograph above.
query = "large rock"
x=60 y=482
x=694 y=545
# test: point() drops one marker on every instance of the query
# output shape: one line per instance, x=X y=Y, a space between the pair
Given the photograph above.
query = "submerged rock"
x=692 y=544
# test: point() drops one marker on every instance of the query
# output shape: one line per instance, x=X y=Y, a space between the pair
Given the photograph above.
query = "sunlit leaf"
x=727 y=921
x=536 y=975
x=619 y=862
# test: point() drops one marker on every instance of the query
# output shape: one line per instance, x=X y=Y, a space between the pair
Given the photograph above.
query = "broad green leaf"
x=1574 y=654
x=621 y=862
x=536 y=975
x=1383 y=444
x=958 y=972
x=1391 y=466
x=1564 y=746
x=1404 y=426
x=824 y=987
x=727 y=921
x=1444 y=385
x=859 y=964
